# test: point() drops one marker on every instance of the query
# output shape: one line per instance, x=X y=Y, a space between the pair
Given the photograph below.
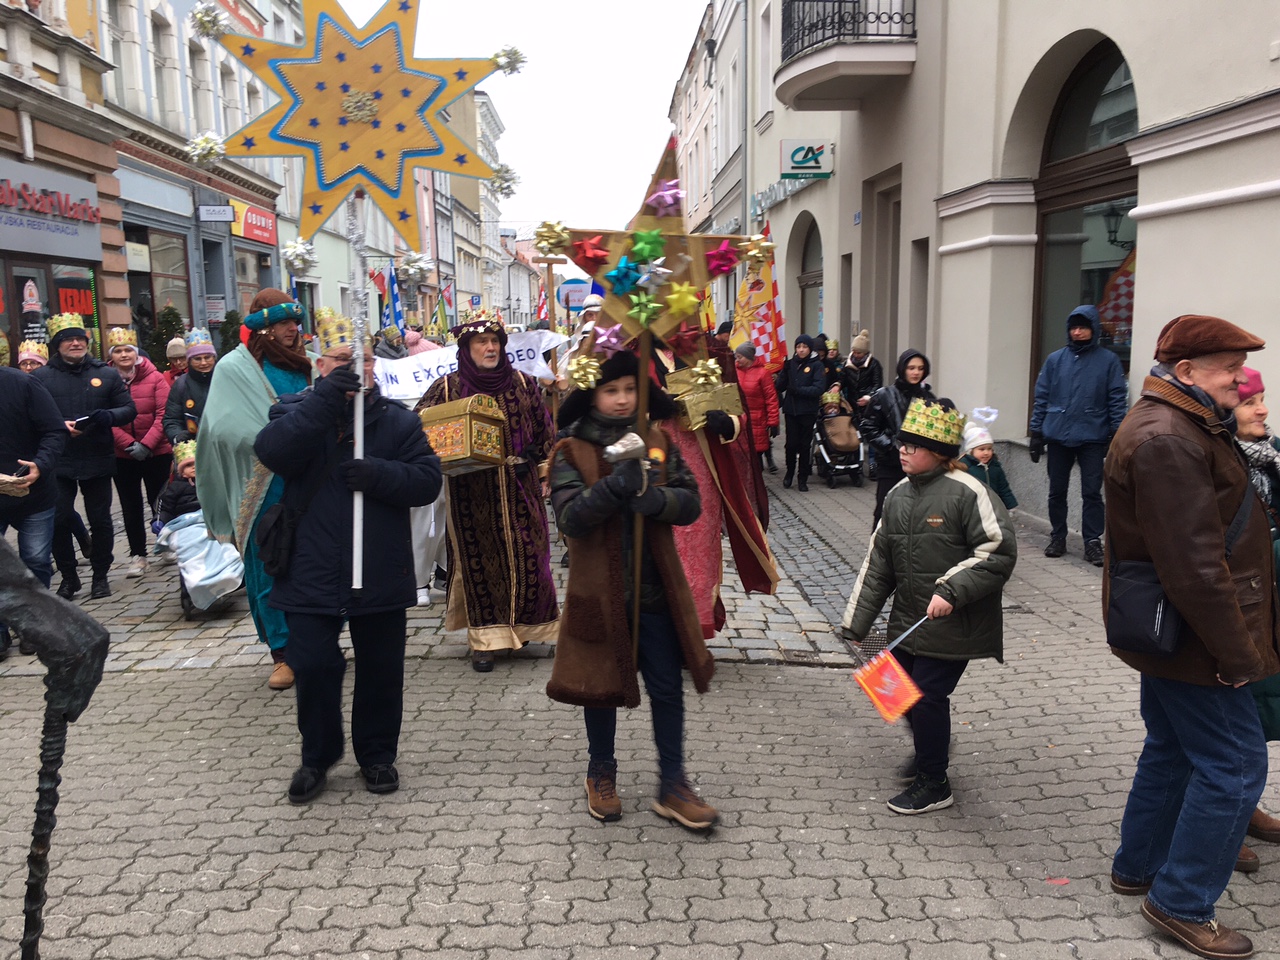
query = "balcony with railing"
x=836 y=52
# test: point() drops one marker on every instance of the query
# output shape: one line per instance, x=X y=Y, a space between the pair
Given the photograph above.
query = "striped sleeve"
x=990 y=536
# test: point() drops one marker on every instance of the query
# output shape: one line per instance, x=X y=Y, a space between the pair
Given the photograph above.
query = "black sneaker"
x=787 y=478
x=306 y=785
x=803 y=486
x=1056 y=548
x=69 y=587
x=101 y=588
x=923 y=795
x=381 y=778
x=1093 y=552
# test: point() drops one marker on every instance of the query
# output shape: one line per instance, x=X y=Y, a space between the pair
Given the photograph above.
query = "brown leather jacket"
x=1174 y=481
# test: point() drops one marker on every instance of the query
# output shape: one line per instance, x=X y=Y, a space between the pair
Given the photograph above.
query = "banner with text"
x=408 y=379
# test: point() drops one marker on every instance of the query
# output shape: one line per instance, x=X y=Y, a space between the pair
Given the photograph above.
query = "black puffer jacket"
x=186 y=405
x=80 y=390
x=177 y=497
x=309 y=436
x=801 y=384
x=885 y=412
x=33 y=430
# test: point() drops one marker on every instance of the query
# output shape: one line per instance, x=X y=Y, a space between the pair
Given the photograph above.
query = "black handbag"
x=1140 y=616
x=278 y=527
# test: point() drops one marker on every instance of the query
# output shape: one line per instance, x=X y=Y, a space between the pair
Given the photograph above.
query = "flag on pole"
x=1115 y=310
x=707 y=312
x=379 y=281
x=542 y=303
x=447 y=295
x=393 y=312
x=442 y=318
x=758 y=309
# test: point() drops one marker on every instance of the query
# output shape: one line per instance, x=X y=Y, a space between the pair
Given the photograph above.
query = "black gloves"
x=650 y=503
x=342 y=380
x=627 y=478
x=1037 y=445
x=137 y=450
x=721 y=424
x=359 y=474
x=773 y=433
x=98 y=420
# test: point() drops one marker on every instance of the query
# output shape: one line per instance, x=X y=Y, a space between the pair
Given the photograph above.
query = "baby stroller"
x=837 y=448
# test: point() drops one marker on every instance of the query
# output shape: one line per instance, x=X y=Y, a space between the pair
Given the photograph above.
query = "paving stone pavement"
x=174 y=838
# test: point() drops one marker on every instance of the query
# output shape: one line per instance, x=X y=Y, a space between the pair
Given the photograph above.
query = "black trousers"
x=887 y=477
x=97 y=510
x=800 y=443
x=131 y=477
x=318 y=666
x=931 y=718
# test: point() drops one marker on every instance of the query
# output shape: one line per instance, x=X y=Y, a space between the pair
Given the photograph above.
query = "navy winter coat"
x=307 y=434
x=1081 y=395
x=33 y=430
x=801 y=384
x=78 y=391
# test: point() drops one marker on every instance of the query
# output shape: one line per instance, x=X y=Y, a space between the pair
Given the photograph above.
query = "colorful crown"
x=936 y=426
x=391 y=330
x=335 y=330
x=121 y=337
x=61 y=322
x=198 y=336
x=32 y=349
x=184 y=451
x=480 y=322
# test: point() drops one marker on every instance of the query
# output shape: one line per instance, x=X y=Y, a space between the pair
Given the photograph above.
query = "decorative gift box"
x=465 y=434
x=694 y=396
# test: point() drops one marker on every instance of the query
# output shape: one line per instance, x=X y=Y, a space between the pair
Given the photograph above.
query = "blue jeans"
x=35 y=547
x=1061 y=459
x=1199 y=779
x=660 y=666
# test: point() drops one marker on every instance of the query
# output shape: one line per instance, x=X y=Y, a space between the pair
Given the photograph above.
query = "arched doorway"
x=811 y=292
x=1086 y=251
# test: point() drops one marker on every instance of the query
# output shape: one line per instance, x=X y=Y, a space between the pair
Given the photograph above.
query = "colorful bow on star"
x=623 y=277
x=706 y=373
x=609 y=339
x=644 y=308
x=685 y=340
x=655 y=275
x=666 y=199
x=682 y=300
x=722 y=259
x=584 y=372
x=551 y=238
x=756 y=250
x=647 y=244
x=590 y=255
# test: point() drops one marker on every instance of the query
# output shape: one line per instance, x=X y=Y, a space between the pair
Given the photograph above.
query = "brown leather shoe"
x=678 y=802
x=281 y=677
x=1127 y=889
x=602 y=792
x=1211 y=939
x=1263 y=826
x=1248 y=861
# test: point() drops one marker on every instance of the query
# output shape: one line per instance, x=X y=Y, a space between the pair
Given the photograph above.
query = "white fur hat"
x=977 y=432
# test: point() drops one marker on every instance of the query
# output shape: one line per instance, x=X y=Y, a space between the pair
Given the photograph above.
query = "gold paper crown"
x=334 y=331
x=121 y=337
x=64 y=321
x=934 y=426
x=33 y=347
x=184 y=451
x=479 y=322
x=830 y=397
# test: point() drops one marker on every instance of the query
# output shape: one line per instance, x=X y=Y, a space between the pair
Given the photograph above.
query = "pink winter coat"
x=761 y=398
x=150 y=393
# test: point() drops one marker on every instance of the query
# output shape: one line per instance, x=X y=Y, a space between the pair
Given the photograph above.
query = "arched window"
x=1086 y=186
x=811 y=282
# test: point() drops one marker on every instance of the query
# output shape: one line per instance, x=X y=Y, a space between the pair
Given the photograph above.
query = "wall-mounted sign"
x=219 y=213
x=46 y=212
x=215 y=309
x=807 y=159
x=137 y=257
x=475 y=301
x=254 y=223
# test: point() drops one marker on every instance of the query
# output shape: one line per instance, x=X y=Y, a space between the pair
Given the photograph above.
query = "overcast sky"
x=586 y=119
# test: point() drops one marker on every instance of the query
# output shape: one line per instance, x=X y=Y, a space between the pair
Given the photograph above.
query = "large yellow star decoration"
x=359 y=109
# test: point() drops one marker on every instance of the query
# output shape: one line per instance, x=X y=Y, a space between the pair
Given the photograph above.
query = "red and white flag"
x=542 y=302
x=766 y=322
x=1116 y=307
x=379 y=279
x=447 y=295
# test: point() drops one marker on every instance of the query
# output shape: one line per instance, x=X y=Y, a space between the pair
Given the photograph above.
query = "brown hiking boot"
x=1211 y=939
x=1264 y=827
x=602 y=792
x=677 y=801
x=1248 y=861
x=281 y=677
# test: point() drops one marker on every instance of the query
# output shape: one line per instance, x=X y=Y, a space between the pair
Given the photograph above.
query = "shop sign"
x=219 y=213
x=215 y=309
x=807 y=159
x=46 y=212
x=774 y=194
x=137 y=257
x=254 y=223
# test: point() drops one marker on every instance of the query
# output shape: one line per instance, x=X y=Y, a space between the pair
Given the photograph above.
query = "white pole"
x=360 y=303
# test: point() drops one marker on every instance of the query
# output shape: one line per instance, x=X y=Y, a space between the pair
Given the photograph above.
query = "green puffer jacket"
x=947 y=533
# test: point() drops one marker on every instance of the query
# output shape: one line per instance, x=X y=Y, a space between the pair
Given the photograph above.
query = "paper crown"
x=199 y=342
x=934 y=425
x=121 y=337
x=391 y=330
x=830 y=397
x=334 y=330
x=480 y=323
x=61 y=322
x=32 y=350
x=184 y=451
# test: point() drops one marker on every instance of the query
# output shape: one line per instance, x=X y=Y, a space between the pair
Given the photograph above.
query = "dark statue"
x=73 y=647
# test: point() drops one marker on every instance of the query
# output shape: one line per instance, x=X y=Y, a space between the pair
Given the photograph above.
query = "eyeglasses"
x=908 y=448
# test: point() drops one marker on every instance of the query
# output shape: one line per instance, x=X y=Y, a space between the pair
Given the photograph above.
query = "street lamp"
x=1113 y=218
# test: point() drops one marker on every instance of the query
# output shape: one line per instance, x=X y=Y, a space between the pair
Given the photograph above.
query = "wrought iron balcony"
x=834 y=52
x=808 y=24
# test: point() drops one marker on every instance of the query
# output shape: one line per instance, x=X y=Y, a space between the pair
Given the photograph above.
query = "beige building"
x=998 y=163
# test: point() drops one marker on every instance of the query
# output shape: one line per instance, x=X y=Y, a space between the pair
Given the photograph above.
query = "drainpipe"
x=746 y=114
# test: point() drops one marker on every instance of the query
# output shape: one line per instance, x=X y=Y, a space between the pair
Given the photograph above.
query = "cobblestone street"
x=175 y=838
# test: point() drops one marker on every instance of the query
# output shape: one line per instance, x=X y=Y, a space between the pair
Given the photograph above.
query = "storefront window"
x=811 y=282
x=246 y=278
x=169 y=280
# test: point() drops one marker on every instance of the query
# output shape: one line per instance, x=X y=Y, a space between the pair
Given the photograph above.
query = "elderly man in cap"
x=1179 y=499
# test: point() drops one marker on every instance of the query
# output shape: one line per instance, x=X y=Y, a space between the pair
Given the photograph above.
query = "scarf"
x=1264 y=464
x=473 y=380
x=1164 y=371
x=264 y=346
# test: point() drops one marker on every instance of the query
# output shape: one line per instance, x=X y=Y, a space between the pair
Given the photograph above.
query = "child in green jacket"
x=980 y=455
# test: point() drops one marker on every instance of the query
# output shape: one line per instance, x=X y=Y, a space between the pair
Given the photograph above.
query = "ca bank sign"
x=807 y=159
